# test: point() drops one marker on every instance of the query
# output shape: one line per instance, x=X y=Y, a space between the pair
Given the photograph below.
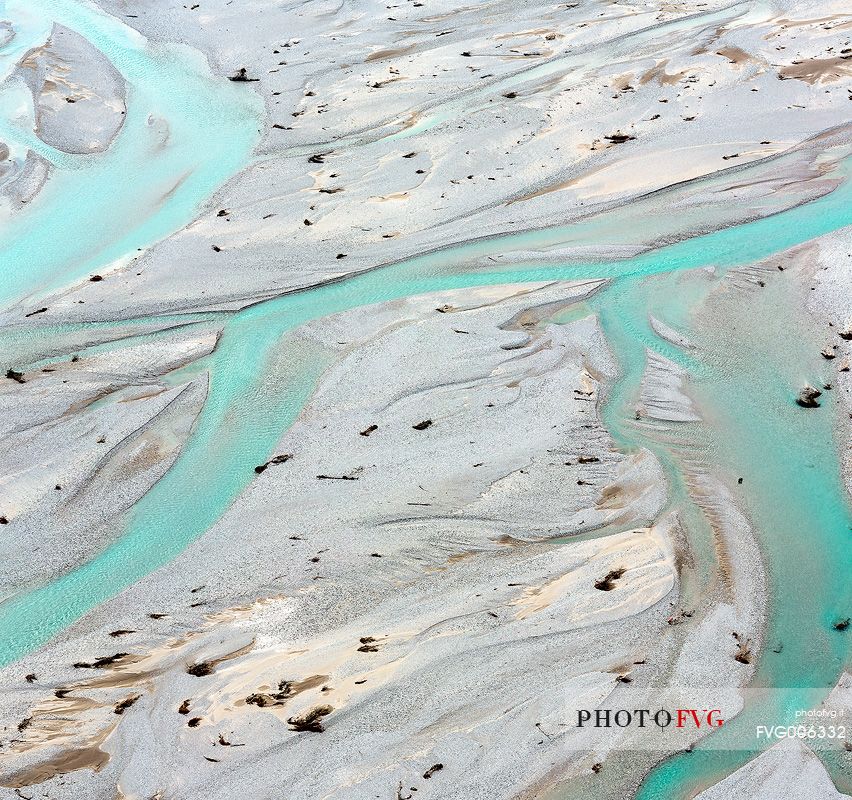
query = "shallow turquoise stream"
x=89 y=215
x=792 y=493
x=258 y=384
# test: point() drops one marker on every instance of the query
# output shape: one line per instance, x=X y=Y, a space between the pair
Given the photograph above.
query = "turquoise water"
x=88 y=216
x=260 y=377
x=792 y=493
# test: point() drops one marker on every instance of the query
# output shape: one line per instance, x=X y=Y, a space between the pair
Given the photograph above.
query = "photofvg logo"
x=662 y=718
x=654 y=719
x=601 y=718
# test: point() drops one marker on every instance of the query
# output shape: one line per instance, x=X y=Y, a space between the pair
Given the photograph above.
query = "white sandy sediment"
x=485 y=617
x=463 y=556
x=78 y=94
x=788 y=769
x=83 y=441
x=484 y=163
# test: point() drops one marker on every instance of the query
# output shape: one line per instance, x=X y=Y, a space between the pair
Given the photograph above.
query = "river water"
x=89 y=215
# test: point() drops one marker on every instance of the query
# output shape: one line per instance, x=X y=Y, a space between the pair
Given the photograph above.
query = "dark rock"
x=607 y=583
x=100 y=663
x=121 y=707
x=619 y=138
x=200 y=669
x=13 y=375
x=241 y=76
x=279 y=459
x=842 y=624
x=120 y=632
x=368 y=430
x=808 y=397
x=743 y=654
x=310 y=720
x=262 y=700
x=194 y=722
x=432 y=770
x=421 y=426
x=31 y=678
x=96 y=278
x=184 y=707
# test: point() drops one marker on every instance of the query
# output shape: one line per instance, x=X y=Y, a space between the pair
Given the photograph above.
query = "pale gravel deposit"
x=78 y=93
x=434 y=585
x=781 y=771
x=337 y=86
